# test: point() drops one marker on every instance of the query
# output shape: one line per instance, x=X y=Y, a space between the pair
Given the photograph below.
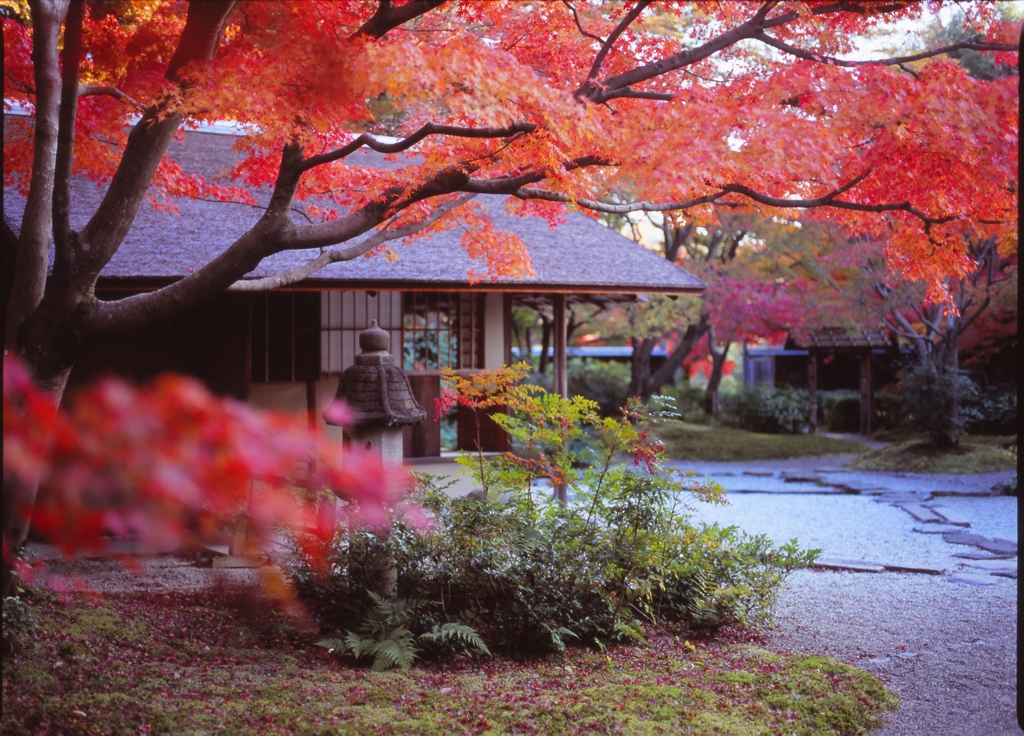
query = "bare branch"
x=893 y=61
x=602 y=91
x=370 y=141
x=346 y=254
x=576 y=17
x=606 y=47
x=829 y=200
x=37 y=223
x=95 y=90
x=388 y=17
x=615 y=209
x=70 y=62
x=640 y=95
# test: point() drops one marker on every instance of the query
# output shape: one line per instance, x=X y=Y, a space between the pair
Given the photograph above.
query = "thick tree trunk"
x=718 y=357
x=644 y=383
x=640 y=367
x=545 y=344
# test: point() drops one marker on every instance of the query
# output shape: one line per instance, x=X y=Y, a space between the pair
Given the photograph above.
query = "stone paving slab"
x=963 y=492
x=937 y=529
x=979 y=555
x=991 y=564
x=967 y=578
x=950 y=516
x=923 y=569
x=999 y=546
x=832 y=563
x=922 y=514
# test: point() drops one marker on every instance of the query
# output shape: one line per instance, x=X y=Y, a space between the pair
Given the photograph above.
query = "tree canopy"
x=695 y=107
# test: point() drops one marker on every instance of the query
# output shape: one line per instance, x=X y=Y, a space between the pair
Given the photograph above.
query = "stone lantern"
x=379 y=396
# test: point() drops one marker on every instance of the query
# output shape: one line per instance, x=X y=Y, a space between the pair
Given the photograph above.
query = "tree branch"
x=576 y=17
x=613 y=209
x=70 y=61
x=893 y=61
x=388 y=17
x=37 y=222
x=370 y=141
x=607 y=45
x=639 y=95
x=345 y=254
x=96 y=90
x=147 y=142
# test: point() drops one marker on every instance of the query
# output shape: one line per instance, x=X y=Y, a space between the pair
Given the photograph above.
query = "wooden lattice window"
x=442 y=330
x=344 y=314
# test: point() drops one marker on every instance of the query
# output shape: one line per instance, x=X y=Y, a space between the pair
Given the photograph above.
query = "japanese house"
x=285 y=349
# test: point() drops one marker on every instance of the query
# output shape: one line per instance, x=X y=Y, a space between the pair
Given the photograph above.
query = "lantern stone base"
x=387 y=441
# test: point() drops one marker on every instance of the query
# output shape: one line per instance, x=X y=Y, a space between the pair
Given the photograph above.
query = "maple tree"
x=691 y=106
x=170 y=464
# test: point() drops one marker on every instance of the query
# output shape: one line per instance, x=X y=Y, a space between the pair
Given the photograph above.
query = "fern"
x=558 y=635
x=458 y=633
x=384 y=634
x=332 y=645
x=398 y=650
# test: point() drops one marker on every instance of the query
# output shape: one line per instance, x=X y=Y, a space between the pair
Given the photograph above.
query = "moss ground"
x=980 y=454
x=698 y=442
x=201 y=664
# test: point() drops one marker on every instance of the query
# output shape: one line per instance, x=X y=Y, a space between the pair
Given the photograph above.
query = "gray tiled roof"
x=580 y=255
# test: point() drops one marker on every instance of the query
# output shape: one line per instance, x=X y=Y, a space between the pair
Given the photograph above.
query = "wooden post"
x=560 y=384
x=506 y=319
x=812 y=387
x=866 y=408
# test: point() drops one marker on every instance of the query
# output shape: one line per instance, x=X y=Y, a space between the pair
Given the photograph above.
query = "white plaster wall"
x=290 y=398
x=494 y=330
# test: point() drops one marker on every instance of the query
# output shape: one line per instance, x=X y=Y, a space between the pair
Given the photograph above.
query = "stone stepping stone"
x=921 y=513
x=983 y=556
x=236 y=561
x=831 y=563
x=991 y=565
x=968 y=492
x=949 y=516
x=759 y=473
x=999 y=546
x=968 y=578
x=923 y=569
x=937 y=529
x=1005 y=573
x=795 y=478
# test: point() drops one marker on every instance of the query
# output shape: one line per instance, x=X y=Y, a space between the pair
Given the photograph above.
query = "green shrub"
x=531 y=575
x=928 y=397
x=839 y=411
x=604 y=382
x=689 y=400
x=18 y=623
x=771 y=409
x=991 y=411
x=888 y=410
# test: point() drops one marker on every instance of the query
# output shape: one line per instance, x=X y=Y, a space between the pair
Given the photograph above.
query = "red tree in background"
x=691 y=106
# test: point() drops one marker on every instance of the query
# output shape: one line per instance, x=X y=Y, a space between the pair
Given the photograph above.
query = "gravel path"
x=947 y=649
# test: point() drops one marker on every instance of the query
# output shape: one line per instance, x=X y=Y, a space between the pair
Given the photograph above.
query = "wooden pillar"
x=812 y=387
x=560 y=385
x=506 y=320
x=866 y=408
